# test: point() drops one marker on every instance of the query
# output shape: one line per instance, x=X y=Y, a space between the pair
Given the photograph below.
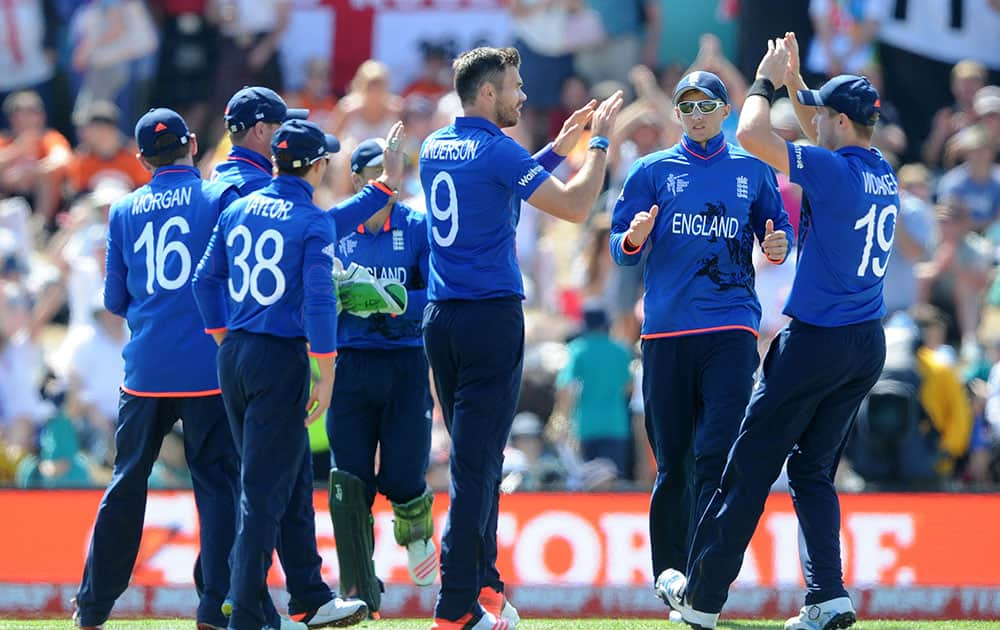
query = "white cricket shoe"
x=828 y=615
x=336 y=613
x=422 y=561
x=670 y=587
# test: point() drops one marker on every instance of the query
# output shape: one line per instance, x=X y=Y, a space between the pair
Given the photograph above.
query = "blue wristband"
x=548 y=157
x=599 y=142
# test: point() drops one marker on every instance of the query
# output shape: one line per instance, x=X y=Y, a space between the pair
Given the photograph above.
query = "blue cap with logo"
x=155 y=125
x=848 y=94
x=704 y=82
x=252 y=105
x=299 y=143
x=368 y=153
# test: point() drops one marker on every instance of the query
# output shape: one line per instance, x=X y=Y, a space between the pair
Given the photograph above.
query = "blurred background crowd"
x=75 y=74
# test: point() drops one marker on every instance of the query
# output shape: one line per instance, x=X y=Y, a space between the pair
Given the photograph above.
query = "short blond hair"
x=369 y=71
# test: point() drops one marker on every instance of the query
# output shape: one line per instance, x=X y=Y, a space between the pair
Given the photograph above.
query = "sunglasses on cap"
x=705 y=107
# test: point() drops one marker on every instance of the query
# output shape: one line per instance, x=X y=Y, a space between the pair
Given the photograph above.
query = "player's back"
x=159 y=232
x=849 y=210
x=472 y=176
x=265 y=237
x=247 y=170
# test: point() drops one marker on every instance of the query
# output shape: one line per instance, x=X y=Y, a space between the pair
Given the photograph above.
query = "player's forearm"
x=320 y=300
x=210 y=297
x=624 y=253
x=803 y=113
x=352 y=212
x=582 y=190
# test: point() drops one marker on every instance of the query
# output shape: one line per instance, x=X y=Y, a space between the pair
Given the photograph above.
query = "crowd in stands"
x=75 y=74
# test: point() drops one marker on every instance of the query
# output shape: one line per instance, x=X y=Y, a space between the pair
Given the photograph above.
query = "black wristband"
x=762 y=87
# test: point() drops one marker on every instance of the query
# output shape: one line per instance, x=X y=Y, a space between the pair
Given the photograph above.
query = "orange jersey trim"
x=698 y=331
x=323 y=355
x=625 y=244
x=382 y=187
x=201 y=394
x=212 y=331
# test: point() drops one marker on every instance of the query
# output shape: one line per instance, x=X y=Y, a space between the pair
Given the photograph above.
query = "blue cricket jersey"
x=850 y=203
x=155 y=236
x=268 y=268
x=713 y=201
x=474 y=177
x=247 y=170
x=397 y=252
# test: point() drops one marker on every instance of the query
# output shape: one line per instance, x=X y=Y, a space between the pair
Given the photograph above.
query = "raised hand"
x=641 y=226
x=775 y=243
x=392 y=157
x=603 y=120
x=793 y=70
x=573 y=128
x=775 y=62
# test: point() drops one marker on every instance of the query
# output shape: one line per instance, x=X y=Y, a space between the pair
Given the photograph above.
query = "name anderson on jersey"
x=161 y=200
x=455 y=150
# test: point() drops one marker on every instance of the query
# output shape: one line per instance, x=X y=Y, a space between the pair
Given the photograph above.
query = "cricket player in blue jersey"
x=474 y=178
x=696 y=208
x=155 y=235
x=265 y=291
x=252 y=116
x=820 y=366
x=381 y=398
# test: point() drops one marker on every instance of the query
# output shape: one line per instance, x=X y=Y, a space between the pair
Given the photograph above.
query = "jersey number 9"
x=250 y=276
x=449 y=214
x=876 y=230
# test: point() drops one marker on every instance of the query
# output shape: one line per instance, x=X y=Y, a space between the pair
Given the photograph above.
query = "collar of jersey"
x=713 y=148
x=291 y=185
x=385 y=226
x=240 y=154
x=175 y=169
x=869 y=155
x=476 y=121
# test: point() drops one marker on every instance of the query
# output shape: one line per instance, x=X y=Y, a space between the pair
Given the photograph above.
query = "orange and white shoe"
x=486 y=622
x=497 y=604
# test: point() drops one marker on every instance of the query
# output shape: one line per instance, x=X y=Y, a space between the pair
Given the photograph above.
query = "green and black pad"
x=413 y=519
x=353 y=529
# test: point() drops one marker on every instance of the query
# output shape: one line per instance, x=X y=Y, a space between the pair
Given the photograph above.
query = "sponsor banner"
x=929 y=554
x=52 y=601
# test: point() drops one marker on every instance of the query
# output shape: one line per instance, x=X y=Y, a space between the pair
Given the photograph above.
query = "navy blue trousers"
x=695 y=390
x=381 y=400
x=265 y=386
x=208 y=447
x=476 y=349
x=812 y=382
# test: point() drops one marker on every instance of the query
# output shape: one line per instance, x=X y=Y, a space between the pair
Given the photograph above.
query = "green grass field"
x=531 y=624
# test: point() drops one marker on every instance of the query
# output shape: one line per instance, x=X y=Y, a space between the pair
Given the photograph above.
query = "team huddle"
x=244 y=300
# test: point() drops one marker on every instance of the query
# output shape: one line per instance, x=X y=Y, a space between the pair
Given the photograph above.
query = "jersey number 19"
x=876 y=230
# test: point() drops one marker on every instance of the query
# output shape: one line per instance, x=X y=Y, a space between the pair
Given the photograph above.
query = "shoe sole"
x=662 y=594
x=843 y=620
x=355 y=618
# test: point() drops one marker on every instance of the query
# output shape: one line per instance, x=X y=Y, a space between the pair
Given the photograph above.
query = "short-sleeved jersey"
x=713 y=201
x=156 y=235
x=398 y=253
x=268 y=268
x=474 y=177
x=247 y=170
x=849 y=208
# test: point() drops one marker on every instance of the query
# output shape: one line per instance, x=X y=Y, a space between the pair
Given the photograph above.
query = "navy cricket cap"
x=704 y=82
x=848 y=94
x=252 y=105
x=157 y=123
x=299 y=143
x=368 y=153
